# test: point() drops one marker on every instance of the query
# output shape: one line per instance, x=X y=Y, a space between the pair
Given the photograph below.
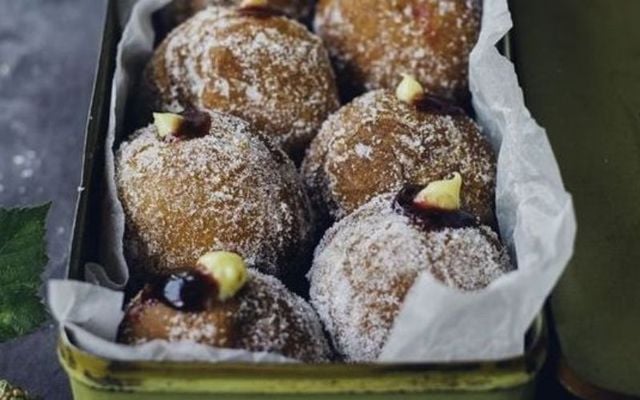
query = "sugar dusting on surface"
x=367 y=262
x=230 y=190
x=278 y=318
x=377 y=143
x=270 y=71
x=372 y=42
x=265 y=316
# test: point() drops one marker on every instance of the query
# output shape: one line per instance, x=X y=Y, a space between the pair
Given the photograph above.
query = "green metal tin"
x=579 y=62
x=96 y=378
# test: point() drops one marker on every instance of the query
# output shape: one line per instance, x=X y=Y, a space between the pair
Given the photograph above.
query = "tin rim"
x=247 y=378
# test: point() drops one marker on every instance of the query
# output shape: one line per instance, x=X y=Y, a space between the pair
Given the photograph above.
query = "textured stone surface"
x=48 y=51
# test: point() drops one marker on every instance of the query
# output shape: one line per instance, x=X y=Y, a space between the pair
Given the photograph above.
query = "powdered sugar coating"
x=229 y=190
x=377 y=143
x=372 y=42
x=269 y=71
x=367 y=262
x=263 y=316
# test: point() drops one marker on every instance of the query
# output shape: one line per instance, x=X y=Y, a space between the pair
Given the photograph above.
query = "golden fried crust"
x=372 y=42
x=269 y=71
x=263 y=316
x=366 y=264
x=377 y=143
x=229 y=190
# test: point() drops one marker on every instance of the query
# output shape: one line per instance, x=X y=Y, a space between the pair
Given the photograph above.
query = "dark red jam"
x=259 y=11
x=437 y=105
x=188 y=290
x=431 y=218
x=196 y=124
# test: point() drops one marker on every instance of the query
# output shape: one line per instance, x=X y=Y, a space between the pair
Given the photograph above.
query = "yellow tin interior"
x=95 y=374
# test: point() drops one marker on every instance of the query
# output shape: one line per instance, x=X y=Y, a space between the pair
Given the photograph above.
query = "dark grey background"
x=48 y=51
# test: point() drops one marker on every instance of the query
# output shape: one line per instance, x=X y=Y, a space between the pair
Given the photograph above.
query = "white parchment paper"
x=436 y=323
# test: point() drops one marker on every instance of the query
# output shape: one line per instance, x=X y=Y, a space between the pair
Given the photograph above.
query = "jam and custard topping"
x=410 y=91
x=217 y=277
x=190 y=124
x=430 y=218
x=190 y=290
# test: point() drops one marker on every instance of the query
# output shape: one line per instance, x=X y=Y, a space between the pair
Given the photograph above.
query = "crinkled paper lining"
x=436 y=323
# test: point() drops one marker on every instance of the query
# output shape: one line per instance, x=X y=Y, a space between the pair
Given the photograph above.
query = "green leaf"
x=22 y=259
x=7 y=391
